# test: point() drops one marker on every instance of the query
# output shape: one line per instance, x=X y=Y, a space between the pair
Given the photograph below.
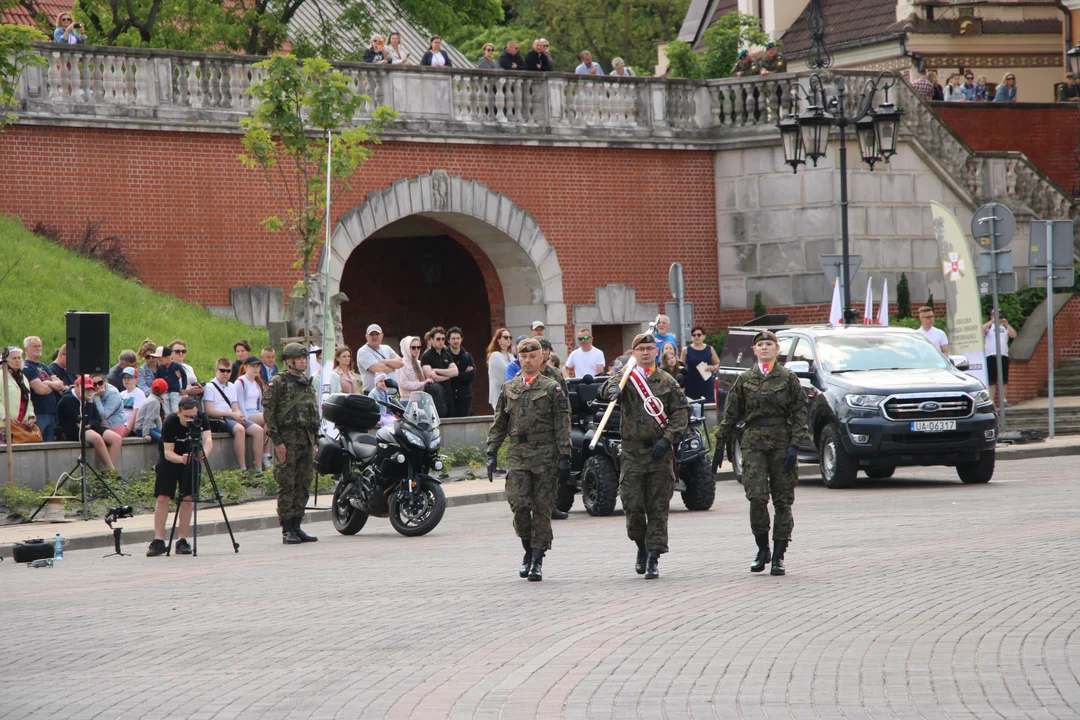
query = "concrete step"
x=1072 y=413
x=1070 y=364
x=1070 y=390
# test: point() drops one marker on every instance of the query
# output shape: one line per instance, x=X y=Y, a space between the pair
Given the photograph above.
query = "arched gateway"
x=409 y=251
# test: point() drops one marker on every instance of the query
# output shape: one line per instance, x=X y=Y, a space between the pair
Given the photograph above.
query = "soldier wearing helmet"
x=292 y=419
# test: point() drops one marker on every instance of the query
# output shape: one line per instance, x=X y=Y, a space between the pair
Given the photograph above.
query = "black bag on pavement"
x=31 y=550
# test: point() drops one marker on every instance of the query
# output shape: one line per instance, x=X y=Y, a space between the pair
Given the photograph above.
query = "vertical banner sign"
x=961 y=291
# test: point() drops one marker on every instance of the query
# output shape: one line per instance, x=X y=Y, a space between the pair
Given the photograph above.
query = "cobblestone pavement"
x=914 y=597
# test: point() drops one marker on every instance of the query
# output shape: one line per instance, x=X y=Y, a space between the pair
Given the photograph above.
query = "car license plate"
x=933 y=425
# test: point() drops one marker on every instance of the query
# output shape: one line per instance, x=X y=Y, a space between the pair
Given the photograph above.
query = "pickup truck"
x=878 y=398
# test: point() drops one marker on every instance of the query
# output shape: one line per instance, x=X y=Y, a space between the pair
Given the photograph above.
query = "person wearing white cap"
x=374 y=358
x=537 y=328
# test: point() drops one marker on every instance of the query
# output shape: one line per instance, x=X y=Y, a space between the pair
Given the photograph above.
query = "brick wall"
x=190 y=212
x=1046 y=133
x=1026 y=379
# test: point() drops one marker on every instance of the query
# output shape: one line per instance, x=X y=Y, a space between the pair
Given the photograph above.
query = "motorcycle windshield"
x=421 y=411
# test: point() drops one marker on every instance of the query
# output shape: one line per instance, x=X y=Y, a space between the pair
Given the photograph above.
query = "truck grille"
x=928 y=406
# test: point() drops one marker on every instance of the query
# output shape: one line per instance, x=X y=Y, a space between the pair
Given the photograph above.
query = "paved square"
x=916 y=597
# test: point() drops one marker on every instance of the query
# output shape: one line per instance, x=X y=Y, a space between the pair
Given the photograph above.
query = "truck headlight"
x=982 y=397
x=864 y=402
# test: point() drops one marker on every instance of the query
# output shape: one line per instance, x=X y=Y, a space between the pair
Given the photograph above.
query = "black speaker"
x=87 y=343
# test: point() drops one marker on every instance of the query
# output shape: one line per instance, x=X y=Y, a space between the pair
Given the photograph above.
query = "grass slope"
x=49 y=281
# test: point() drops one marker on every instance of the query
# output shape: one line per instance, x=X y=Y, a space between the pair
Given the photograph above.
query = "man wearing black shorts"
x=174 y=467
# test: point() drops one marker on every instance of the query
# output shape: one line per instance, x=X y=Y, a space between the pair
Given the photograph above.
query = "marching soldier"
x=654 y=414
x=292 y=419
x=769 y=400
x=534 y=412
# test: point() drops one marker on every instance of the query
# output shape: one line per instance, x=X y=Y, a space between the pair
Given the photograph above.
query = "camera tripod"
x=197 y=461
x=82 y=465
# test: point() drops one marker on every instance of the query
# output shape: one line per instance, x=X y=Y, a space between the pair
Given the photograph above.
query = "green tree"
x=903 y=297
x=930 y=299
x=720 y=48
x=759 y=306
x=300 y=103
x=16 y=55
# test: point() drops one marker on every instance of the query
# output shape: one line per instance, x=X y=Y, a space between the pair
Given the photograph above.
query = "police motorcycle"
x=594 y=470
x=385 y=474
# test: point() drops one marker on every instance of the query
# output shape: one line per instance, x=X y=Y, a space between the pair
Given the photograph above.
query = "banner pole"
x=1050 y=320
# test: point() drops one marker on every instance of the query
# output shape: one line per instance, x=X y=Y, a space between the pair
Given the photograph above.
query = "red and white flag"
x=868 y=310
x=836 y=316
x=883 y=310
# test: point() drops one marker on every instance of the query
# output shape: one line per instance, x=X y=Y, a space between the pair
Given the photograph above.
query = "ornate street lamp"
x=1072 y=57
x=806 y=137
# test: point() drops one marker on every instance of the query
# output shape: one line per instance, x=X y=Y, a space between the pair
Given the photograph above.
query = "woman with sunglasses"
x=1006 y=91
x=68 y=31
x=487 y=60
x=411 y=375
x=700 y=362
x=498 y=357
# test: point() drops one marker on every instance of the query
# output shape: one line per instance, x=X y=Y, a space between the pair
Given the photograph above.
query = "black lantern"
x=814 y=126
x=791 y=139
x=866 y=133
x=1072 y=57
x=887 y=127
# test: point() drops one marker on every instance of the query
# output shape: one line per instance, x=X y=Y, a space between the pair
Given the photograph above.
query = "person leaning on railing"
x=487 y=60
x=511 y=59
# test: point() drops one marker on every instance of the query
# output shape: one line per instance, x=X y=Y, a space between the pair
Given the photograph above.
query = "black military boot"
x=288 y=534
x=778 y=558
x=536 y=573
x=763 y=554
x=652 y=566
x=304 y=537
x=557 y=514
x=642 y=556
x=527 y=560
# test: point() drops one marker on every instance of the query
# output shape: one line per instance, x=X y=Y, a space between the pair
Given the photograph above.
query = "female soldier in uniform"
x=770 y=401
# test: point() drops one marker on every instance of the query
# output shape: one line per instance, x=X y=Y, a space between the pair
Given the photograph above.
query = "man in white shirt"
x=374 y=358
x=587 y=66
x=219 y=401
x=938 y=338
x=1005 y=332
x=586 y=360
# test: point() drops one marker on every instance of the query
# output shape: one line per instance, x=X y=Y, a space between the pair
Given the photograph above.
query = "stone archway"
x=527 y=265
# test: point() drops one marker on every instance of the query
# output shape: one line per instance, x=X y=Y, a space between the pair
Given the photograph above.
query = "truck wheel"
x=880 y=473
x=979 y=471
x=838 y=468
x=734 y=452
x=700 y=489
x=599 y=486
x=564 y=497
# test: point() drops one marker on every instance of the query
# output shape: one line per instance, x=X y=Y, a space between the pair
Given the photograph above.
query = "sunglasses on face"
x=99 y=383
x=697 y=335
x=414 y=347
x=224 y=369
x=505 y=337
x=438 y=339
x=179 y=352
x=583 y=338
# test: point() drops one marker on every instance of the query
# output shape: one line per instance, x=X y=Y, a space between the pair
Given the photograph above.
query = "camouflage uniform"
x=744 y=67
x=292 y=418
x=558 y=377
x=773 y=408
x=775 y=64
x=536 y=417
x=646 y=485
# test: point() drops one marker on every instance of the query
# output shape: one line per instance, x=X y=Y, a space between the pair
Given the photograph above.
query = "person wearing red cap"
x=151 y=414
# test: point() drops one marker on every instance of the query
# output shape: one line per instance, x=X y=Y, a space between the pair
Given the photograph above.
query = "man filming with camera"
x=176 y=458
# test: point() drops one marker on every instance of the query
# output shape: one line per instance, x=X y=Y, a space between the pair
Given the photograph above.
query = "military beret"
x=528 y=345
x=643 y=339
x=544 y=342
x=765 y=335
x=770 y=46
x=743 y=53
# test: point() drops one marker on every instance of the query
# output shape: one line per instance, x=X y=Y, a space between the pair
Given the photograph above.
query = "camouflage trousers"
x=645 y=489
x=294 y=479
x=531 y=494
x=764 y=475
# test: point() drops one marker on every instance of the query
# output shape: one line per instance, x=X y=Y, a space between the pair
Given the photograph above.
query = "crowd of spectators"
x=964 y=86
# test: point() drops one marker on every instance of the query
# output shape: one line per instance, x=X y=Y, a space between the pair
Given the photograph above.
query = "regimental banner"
x=961 y=291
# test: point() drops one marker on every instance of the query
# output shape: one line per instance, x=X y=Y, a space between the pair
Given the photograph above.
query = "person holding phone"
x=68 y=31
x=1005 y=333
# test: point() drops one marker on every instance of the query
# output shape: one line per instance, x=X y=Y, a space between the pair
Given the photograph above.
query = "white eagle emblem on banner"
x=953 y=267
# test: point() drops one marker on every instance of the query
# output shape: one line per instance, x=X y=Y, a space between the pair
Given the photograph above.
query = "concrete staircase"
x=1066 y=380
x=1032 y=414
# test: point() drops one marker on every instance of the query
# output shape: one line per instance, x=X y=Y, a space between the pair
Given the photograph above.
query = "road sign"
x=1004 y=223
x=1006 y=284
x=671 y=309
x=675 y=280
x=1063 y=277
x=1004 y=262
x=831 y=265
x=1063 y=243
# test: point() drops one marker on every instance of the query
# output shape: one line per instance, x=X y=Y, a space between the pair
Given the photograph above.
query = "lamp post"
x=806 y=137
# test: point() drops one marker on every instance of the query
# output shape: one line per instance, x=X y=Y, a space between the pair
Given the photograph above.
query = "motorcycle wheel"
x=347 y=519
x=419 y=514
x=564 y=497
x=700 y=489
x=599 y=486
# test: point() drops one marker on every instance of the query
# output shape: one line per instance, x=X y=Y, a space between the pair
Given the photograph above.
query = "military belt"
x=765 y=422
x=637 y=444
x=533 y=437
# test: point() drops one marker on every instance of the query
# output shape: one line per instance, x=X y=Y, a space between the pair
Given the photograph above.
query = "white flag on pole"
x=835 y=315
x=883 y=309
x=868 y=309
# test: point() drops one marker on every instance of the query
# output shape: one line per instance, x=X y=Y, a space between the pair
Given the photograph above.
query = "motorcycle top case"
x=352 y=411
x=329 y=457
x=32 y=550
